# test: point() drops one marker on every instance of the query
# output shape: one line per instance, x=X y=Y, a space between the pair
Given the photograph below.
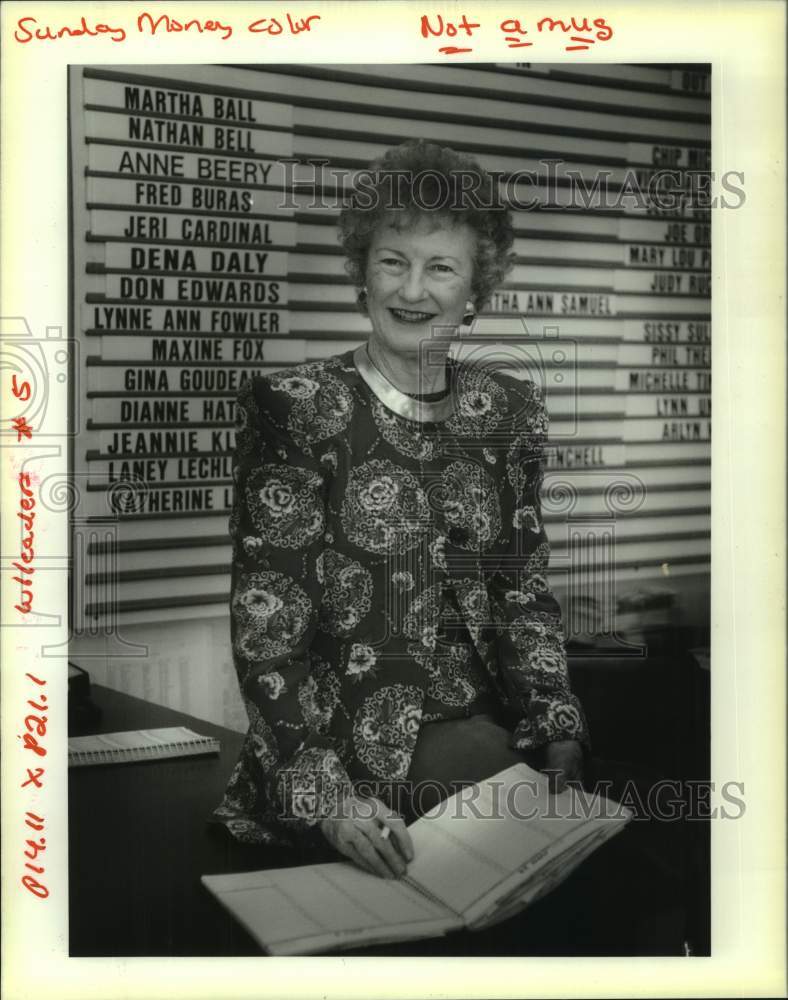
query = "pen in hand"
x=370 y=834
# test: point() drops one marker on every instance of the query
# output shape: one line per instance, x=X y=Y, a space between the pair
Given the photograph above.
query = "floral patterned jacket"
x=350 y=524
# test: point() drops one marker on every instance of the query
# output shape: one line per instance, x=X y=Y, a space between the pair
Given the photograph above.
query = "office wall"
x=201 y=255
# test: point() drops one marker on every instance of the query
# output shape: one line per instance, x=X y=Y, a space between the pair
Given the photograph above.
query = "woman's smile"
x=418 y=284
x=411 y=315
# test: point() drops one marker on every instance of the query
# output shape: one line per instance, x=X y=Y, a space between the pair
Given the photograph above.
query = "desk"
x=139 y=842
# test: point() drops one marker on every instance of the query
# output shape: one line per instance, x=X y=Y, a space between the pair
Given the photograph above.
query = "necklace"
x=395 y=399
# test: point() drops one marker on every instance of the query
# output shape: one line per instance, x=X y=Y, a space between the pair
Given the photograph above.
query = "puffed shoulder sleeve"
x=528 y=635
x=277 y=528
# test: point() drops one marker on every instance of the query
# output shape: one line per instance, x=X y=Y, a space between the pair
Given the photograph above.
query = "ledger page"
x=488 y=836
x=314 y=908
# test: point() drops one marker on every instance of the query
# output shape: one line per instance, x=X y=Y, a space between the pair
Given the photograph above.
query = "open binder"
x=481 y=856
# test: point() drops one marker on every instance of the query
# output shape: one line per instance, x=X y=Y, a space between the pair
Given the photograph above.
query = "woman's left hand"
x=563 y=764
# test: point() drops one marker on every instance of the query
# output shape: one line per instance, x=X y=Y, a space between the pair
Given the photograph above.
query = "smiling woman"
x=427 y=242
x=388 y=546
x=418 y=280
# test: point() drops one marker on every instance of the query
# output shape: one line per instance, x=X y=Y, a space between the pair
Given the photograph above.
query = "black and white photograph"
x=393 y=455
x=381 y=586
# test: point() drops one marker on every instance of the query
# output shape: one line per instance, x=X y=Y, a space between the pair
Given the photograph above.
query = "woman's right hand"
x=358 y=833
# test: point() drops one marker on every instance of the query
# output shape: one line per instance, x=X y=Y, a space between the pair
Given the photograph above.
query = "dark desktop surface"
x=139 y=841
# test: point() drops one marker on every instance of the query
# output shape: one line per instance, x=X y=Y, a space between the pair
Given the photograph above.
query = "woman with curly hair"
x=392 y=628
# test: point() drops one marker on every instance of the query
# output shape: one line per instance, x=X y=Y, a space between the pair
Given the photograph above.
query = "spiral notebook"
x=137 y=745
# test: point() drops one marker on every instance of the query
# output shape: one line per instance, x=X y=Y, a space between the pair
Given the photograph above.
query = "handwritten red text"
x=272 y=26
x=29 y=29
x=26 y=32
x=603 y=34
x=583 y=32
x=513 y=33
x=439 y=27
x=35 y=729
x=27 y=503
x=25 y=568
x=146 y=23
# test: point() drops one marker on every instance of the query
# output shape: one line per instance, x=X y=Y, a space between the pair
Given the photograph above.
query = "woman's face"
x=418 y=279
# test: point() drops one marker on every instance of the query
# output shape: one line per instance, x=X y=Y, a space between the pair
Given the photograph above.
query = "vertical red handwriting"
x=26 y=512
x=22 y=428
x=26 y=569
x=22 y=392
x=33 y=777
x=35 y=725
x=450 y=30
x=35 y=730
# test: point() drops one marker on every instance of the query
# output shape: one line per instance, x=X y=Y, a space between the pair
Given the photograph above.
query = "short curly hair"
x=419 y=179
